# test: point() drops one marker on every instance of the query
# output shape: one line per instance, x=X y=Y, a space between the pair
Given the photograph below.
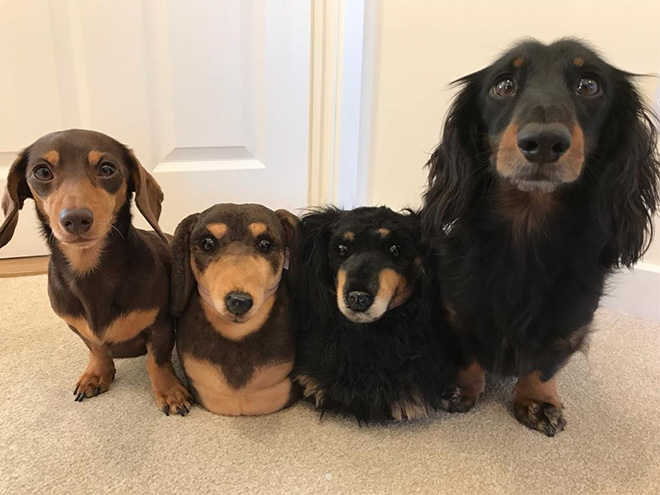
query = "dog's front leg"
x=536 y=404
x=170 y=394
x=98 y=375
x=471 y=382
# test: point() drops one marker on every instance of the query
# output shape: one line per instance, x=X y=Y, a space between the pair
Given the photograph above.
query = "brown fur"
x=235 y=365
x=257 y=228
x=82 y=261
x=237 y=358
x=537 y=405
x=94 y=157
x=123 y=328
x=238 y=272
x=472 y=379
x=526 y=212
x=410 y=410
x=52 y=157
x=267 y=391
x=471 y=383
x=98 y=375
x=111 y=282
x=311 y=388
x=218 y=229
x=391 y=284
x=507 y=152
x=168 y=390
x=508 y=158
x=517 y=62
x=452 y=315
x=238 y=331
x=341 y=282
x=530 y=387
x=79 y=193
x=573 y=161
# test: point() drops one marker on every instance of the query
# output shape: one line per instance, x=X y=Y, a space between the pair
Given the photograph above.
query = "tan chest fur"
x=268 y=390
x=123 y=328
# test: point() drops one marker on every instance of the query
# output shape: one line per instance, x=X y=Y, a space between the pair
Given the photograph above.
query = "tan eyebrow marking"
x=578 y=61
x=518 y=61
x=348 y=235
x=217 y=229
x=52 y=156
x=257 y=228
x=383 y=232
x=94 y=157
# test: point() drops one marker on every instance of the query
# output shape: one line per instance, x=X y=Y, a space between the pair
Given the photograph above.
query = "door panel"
x=212 y=95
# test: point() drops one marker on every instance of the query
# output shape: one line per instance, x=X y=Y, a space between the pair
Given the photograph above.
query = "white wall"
x=422 y=45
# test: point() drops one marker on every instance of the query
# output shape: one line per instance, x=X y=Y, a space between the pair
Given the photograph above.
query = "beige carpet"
x=120 y=443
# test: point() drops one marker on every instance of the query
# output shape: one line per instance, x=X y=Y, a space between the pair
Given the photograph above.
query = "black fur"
x=363 y=369
x=523 y=302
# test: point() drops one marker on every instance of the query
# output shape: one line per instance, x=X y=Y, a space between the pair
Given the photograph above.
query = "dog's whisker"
x=118 y=231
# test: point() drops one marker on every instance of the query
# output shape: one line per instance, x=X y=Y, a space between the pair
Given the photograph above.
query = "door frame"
x=343 y=84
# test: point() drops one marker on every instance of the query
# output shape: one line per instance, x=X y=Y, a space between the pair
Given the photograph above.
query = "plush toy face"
x=235 y=254
x=375 y=255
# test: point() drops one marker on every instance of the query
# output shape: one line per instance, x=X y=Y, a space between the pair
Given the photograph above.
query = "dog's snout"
x=543 y=143
x=359 y=301
x=76 y=221
x=238 y=303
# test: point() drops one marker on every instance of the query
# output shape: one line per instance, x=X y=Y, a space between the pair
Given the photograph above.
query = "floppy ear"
x=629 y=186
x=16 y=192
x=292 y=228
x=315 y=288
x=148 y=194
x=183 y=280
x=425 y=278
x=453 y=167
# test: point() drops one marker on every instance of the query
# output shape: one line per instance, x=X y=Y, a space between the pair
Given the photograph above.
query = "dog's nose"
x=76 y=221
x=238 y=303
x=543 y=143
x=359 y=301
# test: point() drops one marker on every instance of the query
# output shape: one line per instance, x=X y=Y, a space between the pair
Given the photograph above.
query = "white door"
x=213 y=95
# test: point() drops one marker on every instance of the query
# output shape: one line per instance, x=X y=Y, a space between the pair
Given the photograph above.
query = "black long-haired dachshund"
x=371 y=343
x=545 y=181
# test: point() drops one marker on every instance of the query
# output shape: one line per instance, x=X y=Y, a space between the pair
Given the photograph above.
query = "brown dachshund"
x=107 y=280
x=230 y=288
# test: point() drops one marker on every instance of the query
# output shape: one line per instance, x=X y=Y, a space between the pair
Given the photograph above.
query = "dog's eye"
x=43 y=173
x=505 y=87
x=265 y=245
x=106 y=169
x=588 y=87
x=207 y=244
x=395 y=250
x=342 y=251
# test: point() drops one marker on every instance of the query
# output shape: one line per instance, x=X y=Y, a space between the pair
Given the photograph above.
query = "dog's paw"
x=409 y=409
x=457 y=400
x=541 y=416
x=92 y=383
x=174 y=399
x=311 y=390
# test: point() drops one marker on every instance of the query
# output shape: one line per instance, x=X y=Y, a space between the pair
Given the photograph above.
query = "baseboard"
x=20 y=267
x=635 y=291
